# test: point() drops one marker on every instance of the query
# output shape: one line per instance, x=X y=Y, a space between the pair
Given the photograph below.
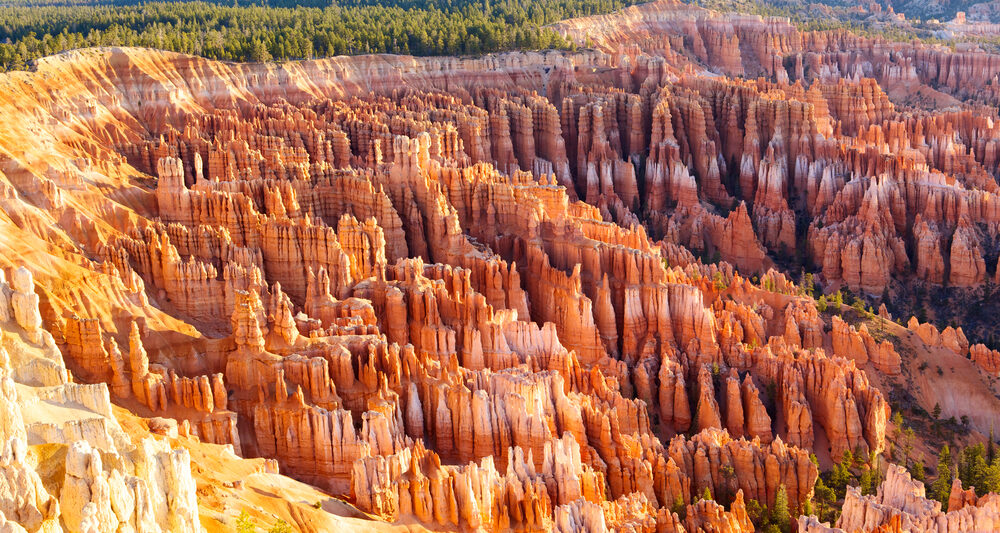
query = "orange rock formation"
x=467 y=292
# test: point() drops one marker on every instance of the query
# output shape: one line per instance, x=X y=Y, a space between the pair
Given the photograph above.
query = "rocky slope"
x=465 y=292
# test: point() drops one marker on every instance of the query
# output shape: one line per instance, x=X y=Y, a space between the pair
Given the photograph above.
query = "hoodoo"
x=625 y=287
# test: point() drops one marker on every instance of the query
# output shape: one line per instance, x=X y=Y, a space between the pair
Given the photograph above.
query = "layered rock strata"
x=525 y=291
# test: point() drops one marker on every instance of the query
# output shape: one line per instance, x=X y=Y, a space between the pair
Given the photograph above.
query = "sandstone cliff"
x=525 y=291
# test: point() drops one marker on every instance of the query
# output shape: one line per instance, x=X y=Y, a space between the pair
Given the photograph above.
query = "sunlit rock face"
x=901 y=504
x=471 y=291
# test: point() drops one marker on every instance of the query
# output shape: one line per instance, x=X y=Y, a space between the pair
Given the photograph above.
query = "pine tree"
x=897 y=421
x=847 y=459
x=865 y=481
x=679 y=508
x=756 y=512
x=941 y=488
x=824 y=495
x=780 y=514
x=972 y=466
x=990 y=449
x=990 y=479
x=907 y=444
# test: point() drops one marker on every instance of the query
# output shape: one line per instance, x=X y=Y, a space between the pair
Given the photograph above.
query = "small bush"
x=244 y=524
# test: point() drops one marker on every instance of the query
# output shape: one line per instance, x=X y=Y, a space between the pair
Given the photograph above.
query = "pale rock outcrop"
x=900 y=504
x=24 y=303
x=159 y=496
x=23 y=497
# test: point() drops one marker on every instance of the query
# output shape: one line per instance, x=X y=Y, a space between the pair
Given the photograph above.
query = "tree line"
x=287 y=29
